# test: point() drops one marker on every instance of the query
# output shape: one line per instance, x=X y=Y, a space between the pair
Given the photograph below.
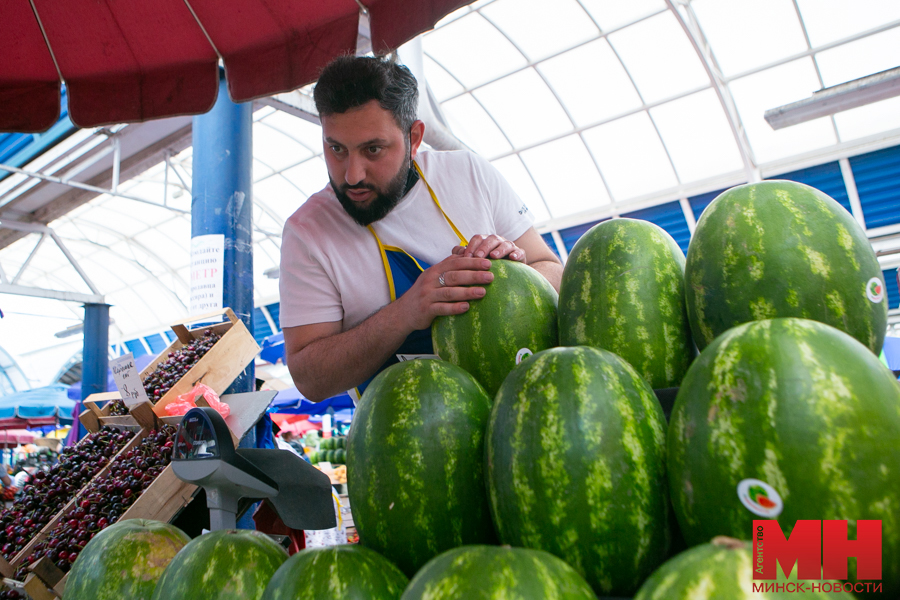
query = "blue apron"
x=402 y=269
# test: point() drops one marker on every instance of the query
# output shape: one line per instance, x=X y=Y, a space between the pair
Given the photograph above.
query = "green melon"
x=576 y=466
x=313 y=457
x=491 y=573
x=348 y=572
x=782 y=249
x=797 y=407
x=330 y=456
x=515 y=319
x=125 y=560
x=415 y=469
x=721 y=570
x=340 y=456
x=230 y=564
x=623 y=291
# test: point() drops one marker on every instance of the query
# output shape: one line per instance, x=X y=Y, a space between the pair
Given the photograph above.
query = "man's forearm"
x=334 y=364
x=551 y=270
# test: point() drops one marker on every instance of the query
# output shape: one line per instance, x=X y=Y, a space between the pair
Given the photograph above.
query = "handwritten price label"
x=128 y=380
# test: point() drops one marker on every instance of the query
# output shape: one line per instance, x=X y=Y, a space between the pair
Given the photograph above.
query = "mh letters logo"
x=819 y=549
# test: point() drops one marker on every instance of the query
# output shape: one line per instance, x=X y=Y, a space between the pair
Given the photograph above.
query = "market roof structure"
x=590 y=108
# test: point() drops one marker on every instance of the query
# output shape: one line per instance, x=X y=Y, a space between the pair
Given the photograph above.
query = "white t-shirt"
x=331 y=269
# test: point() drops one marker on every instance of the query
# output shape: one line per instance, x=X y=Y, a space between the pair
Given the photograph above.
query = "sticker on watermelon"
x=875 y=290
x=522 y=354
x=760 y=498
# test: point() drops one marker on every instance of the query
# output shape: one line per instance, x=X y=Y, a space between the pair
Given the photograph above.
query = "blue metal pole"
x=223 y=204
x=95 y=354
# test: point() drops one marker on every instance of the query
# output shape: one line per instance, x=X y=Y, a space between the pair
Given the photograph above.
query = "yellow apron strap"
x=462 y=240
x=411 y=257
x=387 y=265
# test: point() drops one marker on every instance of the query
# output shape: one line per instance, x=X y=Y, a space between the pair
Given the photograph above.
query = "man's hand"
x=445 y=289
x=491 y=246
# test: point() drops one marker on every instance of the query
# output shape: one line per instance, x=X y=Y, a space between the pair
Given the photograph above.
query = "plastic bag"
x=186 y=402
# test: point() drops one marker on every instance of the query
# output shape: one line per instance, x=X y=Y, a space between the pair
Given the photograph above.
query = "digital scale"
x=205 y=455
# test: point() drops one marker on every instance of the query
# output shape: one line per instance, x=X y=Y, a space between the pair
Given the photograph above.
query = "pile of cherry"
x=105 y=500
x=51 y=490
x=169 y=371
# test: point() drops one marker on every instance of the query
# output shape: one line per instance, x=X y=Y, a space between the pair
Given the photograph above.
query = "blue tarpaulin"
x=273 y=348
x=892 y=353
x=292 y=402
x=39 y=403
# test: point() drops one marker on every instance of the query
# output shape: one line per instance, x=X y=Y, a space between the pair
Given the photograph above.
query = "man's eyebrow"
x=372 y=142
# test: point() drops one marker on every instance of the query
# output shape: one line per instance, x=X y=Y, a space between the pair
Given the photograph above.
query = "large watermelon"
x=125 y=560
x=348 y=572
x=576 y=466
x=491 y=572
x=782 y=249
x=230 y=564
x=788 y=419
x=623 y=291
x=515 y=318
x=722 y=570
x=415 y=468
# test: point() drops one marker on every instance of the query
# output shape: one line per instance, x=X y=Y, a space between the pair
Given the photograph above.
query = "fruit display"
x=169 y=371
x=487 y=572
x=51 y=490
x=623 y=291
x=125 y=560
x=104 y=501
x=783 y=249
x=230 y=564
x=723 y=569
x=515 y=318
x=787 y=419
x=576 y=466
x=415 y=463
x=349 y=572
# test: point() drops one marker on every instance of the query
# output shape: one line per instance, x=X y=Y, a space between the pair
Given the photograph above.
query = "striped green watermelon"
x=782 y=249
x=623 y=291
x=576 y=466
x=125 y=560
x=348 y=572
x=491 y=573
x=799 y=419
x=515 y=319
x=415 y=469
x=230 y=564
x=721 y=570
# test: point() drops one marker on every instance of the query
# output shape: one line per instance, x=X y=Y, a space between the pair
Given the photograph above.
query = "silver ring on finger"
x=441 y=280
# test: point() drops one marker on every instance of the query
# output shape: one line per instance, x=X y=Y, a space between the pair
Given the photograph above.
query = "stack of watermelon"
x=563 y=453
x=330 y=450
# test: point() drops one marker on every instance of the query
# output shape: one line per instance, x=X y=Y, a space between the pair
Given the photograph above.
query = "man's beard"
x=380 y=205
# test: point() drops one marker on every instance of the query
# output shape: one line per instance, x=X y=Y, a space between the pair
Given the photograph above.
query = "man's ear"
x=416 y=134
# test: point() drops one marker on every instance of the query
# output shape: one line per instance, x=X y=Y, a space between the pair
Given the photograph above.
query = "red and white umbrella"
x=10 y=438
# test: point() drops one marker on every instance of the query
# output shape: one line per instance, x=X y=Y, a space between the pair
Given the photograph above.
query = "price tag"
x=128 y=380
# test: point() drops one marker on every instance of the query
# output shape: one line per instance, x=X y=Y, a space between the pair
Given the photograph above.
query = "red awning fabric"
x=125 y=61
x=11 y=438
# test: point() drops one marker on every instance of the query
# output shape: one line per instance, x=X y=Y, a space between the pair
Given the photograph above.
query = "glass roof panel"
x=769 y=30
x=300 y=130
x=260 y=169
x=610 y=14
x=591 y=82
x=280 y=195
x=775 y=87
x=832 y=20
x=534 y=115
x=473 y=63
x=539 y=28
x=698 y=136
x=661 y=69
x=474 y=127
x=440 y=81
x=580 y=190
x=276 y=149
x=631 y=156
x=517 y=175
x=858 y=59
x=869 y=120
x=309 y=176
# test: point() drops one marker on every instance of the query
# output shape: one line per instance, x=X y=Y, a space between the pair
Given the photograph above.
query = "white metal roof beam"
x=838 y=98
x=22 y=290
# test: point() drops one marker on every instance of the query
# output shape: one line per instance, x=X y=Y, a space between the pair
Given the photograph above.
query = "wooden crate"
x=219 y=367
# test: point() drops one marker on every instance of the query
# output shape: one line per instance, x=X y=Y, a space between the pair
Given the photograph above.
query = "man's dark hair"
x=352 y=81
